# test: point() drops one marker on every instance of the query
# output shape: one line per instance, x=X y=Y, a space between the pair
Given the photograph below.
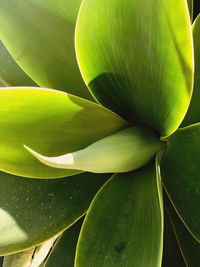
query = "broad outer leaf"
x=123 y=226
x=171 y=252
x=63 y=253
x=32 y=257
x=193 y=113
x=33 y=210
x=40 y=37
x=136 y=56
x=52 y=123
x=10 y=73
x=189 y=246
x=180 y=171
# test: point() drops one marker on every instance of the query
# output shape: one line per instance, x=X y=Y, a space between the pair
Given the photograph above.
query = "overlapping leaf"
x=63 y=253
x=40 y=37
x=10 y=73
x=34 y=210
x=190 y=7
x=124 y=223
x=193 y=113
x=52 y=123
x=190 y=247
x=180 y=170
x=171 y=252
x=137 y=58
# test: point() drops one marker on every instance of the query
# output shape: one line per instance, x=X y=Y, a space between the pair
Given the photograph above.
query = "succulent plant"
x=103 y=125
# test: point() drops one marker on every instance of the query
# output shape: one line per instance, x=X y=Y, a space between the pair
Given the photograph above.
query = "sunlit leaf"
x=52 y=123
x=137 y=58
x=124 y=151
x=40 y=37
x=193 y=113
x=10 y=73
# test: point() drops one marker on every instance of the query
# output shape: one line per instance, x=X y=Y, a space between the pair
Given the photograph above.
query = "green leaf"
x=180 y=170
x=193 y=114
x=124 y=223
x=32 y=210
x=137 y=58
x=189 y=246
x=63 y=253
x=171 y=252
x=32 y=257
x=190 y=7
x=10 y=73
x=2 y=84
x=124 y=151
x=40 y=37
x=52 y=123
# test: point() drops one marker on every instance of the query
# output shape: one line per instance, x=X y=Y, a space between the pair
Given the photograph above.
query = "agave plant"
x=118 y=140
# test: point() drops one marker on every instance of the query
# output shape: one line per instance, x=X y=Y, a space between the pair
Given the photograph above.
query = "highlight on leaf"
x=124 y=151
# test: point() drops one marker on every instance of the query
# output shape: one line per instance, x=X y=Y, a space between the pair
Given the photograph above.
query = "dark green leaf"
x=190 y=7
x=33 y=210
x=63 y=253
x=124 y=224
x=137 y=58
x=40 y=37
x=180 y=171
x=52 y=123
x=172 y=256
x=189 y=246
x=10 y=73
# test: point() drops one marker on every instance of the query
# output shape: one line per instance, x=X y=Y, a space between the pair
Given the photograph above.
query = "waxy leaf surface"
x=51 y=122
x=171 y=252
x=190 y=247
x=124 y=224
x=34 y=210
x=63 y=253
x=137 y=58
x=10 y=73
x=180 y=170
x=40 y=37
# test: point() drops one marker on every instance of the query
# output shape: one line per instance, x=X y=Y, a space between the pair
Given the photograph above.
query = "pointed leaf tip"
x=51 y=122
x=123 y=151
